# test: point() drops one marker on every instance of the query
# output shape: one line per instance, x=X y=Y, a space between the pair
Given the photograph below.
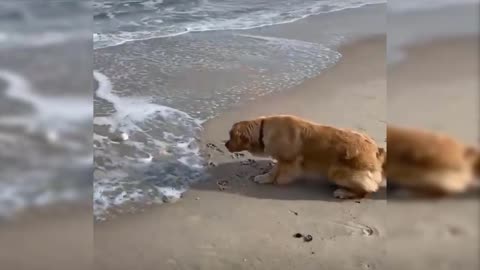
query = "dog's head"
x=241 y=137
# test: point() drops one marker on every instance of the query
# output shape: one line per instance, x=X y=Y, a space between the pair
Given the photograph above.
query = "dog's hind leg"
x=354 y=184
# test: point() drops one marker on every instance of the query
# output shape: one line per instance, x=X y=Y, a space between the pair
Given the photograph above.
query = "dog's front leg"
x=287 y=172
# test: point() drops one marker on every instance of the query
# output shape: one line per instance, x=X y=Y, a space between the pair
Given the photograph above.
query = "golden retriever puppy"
x=429 y=163
x=302 y=148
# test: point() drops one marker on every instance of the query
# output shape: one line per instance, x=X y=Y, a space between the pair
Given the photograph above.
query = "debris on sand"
x=295 y=213
x=222 y=185
x=212 y=164
x=307 y=238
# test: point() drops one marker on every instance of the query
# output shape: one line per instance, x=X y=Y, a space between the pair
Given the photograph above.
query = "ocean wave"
x=113 y=24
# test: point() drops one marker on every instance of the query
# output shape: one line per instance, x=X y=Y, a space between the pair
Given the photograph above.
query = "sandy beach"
x=248 y=226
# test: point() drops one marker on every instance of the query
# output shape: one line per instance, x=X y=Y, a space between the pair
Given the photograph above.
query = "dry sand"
x=435 y=88
x=48 y=239
x=250 y=226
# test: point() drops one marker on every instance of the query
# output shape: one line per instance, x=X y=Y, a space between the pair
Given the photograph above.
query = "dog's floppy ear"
x=243 y=135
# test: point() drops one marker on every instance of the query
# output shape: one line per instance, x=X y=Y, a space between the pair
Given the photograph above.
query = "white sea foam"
x=128 y=181
x=133 y=110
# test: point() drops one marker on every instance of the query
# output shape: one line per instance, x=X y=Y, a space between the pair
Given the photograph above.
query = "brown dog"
x=350 y=159
x=429 y=163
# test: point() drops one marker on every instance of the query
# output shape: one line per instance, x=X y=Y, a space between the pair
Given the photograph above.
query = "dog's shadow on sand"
x=236 y=177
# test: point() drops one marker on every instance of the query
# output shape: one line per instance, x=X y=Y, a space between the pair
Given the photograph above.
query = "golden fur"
x=350 y=159
x=428 y=162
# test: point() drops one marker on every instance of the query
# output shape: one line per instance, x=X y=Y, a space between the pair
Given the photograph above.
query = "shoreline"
x=247 y=225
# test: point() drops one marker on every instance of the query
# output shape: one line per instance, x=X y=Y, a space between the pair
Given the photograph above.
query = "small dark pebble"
x=307 y=238
x=298 y=235
x=313 y=252
x=212 y=164
x=357 y=201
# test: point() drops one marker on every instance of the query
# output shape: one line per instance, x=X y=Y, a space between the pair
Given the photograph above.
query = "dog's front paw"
x=263 y=179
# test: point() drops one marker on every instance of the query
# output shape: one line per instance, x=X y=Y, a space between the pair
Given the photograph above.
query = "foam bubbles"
x=131 y=171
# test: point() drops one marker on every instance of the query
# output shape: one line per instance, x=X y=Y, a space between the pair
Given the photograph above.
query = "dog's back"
x=328 y=145
x=322 y=146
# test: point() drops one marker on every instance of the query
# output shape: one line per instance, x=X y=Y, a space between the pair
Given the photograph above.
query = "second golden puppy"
x=302 y=148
